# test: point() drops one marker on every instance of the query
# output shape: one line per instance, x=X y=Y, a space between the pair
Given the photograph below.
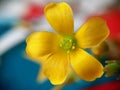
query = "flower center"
x=68 y=43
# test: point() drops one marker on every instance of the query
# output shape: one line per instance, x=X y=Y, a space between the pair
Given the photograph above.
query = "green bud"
x=112 y=68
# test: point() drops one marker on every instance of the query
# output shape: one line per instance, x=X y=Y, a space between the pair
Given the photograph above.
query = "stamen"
x=60 y=45
x=73 y=47
x=67 y=43
x=68 y=51
x=70 y=41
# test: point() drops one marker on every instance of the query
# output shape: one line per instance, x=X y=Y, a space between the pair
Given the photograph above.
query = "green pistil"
x=67 y=43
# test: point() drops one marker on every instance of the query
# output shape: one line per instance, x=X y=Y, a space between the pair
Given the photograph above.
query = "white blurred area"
x=95 y=6
x=12 y=8
x=82 y=9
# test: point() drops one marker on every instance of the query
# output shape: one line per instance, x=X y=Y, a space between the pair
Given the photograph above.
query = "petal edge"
x=60 y=17
x=56 y=67
x=92 y=33
x=86 y=66
x=40 y=44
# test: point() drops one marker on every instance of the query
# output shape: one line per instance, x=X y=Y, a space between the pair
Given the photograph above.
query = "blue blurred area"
x=19 y=73
x=6 y=24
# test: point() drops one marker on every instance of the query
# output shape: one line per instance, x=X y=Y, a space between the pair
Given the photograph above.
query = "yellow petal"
x=40 y=44
x=60 y=17
x=86 y=66
x=56 y=67
x=93 y=32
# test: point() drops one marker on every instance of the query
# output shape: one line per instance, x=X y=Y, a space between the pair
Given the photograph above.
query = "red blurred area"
x=113 y=21
x=114 y=85
x=34 y=11
x=112 y=18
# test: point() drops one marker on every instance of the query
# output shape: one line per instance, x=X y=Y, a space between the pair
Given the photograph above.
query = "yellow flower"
x=58 y=52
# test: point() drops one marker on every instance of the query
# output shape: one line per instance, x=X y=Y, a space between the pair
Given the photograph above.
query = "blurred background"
x=19 y=18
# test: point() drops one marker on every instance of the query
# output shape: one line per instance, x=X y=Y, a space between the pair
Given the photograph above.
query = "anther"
x=60 y=45
x=68 y=51
x=73 y=47
x=70 y=41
